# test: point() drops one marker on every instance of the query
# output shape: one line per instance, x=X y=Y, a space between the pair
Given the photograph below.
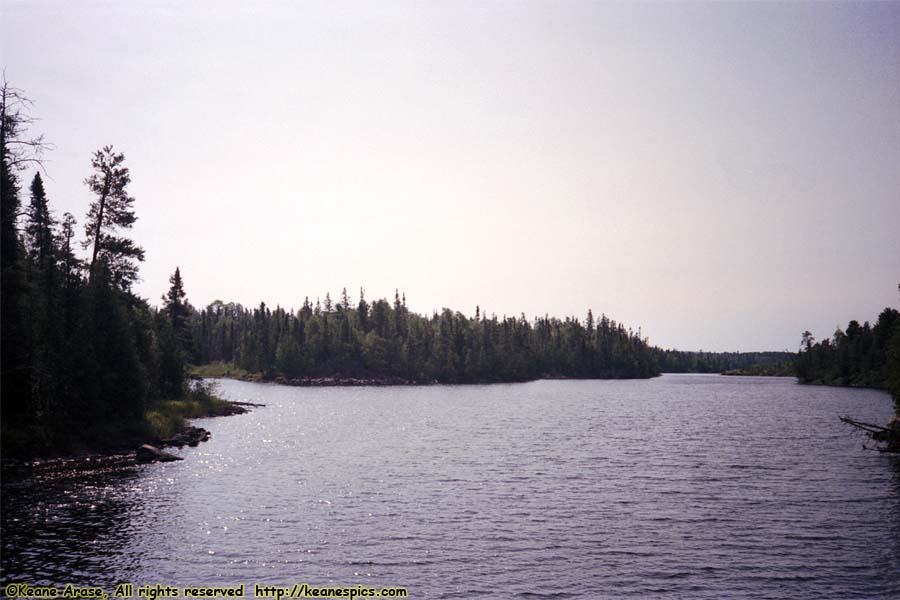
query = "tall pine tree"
x=111 y=211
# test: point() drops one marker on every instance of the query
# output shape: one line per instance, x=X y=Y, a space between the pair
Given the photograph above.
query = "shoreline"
x=191 y=435
x=187 y=435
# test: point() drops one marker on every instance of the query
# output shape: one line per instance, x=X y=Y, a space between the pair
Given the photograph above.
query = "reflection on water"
x=682 y=486
x=66 y=520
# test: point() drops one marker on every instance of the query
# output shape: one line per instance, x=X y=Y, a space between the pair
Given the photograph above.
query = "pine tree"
x=112 y=210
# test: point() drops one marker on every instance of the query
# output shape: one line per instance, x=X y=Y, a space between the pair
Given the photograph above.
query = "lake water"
x=684 y=486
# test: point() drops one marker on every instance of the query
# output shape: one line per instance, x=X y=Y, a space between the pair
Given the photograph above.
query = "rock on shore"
x=192 y=436
x=148 y=453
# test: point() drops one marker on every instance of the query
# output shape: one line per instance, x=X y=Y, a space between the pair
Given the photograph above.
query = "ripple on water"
x=679 y=487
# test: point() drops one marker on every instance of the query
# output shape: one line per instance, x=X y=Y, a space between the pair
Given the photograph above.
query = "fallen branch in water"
x=890 y=435
x=862 y=425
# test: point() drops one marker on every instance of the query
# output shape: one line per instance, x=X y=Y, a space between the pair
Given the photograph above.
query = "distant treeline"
x=384 y=339
x=677 y=361
x=862 y=355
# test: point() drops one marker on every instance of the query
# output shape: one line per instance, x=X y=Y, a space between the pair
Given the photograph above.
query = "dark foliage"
x=678 y=361
x=387 y=340
x=862 y=356
x=81 y=355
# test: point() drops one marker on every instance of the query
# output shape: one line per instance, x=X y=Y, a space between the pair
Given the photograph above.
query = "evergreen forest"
x=860 y=355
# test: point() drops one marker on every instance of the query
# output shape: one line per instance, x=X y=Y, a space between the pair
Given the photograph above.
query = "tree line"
x=385 y=339
x=860 y=355
x=680 y=361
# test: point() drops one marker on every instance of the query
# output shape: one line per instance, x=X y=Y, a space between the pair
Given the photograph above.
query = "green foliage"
x=785 y=368
x=729 y=363
x=110 y=212
x=163 y=422
x=387 y=340
x=165 y=418
x=222 y=369
x=861 y=356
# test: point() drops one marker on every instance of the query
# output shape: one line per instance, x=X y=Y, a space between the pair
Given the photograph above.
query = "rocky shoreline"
x=151 y=451
x=189 y=436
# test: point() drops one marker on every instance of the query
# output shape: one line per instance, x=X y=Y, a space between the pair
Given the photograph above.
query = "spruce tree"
x=362 y=312
x=39 y=225
x=174 y=302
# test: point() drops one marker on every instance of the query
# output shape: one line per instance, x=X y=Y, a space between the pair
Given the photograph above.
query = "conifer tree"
x=174 y=302
x=362 y=312
x=17 y=151
x=70 y=263
x=39 y=226
x=110 y=212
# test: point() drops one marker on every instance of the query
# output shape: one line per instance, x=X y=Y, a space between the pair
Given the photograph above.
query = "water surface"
x=684 y=486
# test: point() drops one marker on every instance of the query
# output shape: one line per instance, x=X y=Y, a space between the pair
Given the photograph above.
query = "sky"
x=722 y=176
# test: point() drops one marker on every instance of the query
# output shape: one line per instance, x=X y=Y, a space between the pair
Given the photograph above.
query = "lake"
x=683 y=486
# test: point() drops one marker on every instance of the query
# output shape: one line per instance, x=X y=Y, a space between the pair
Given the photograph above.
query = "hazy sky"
x=722 y=175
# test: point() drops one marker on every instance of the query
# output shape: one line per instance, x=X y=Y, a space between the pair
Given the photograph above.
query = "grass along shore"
x=166 y=418
x=223 y=370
